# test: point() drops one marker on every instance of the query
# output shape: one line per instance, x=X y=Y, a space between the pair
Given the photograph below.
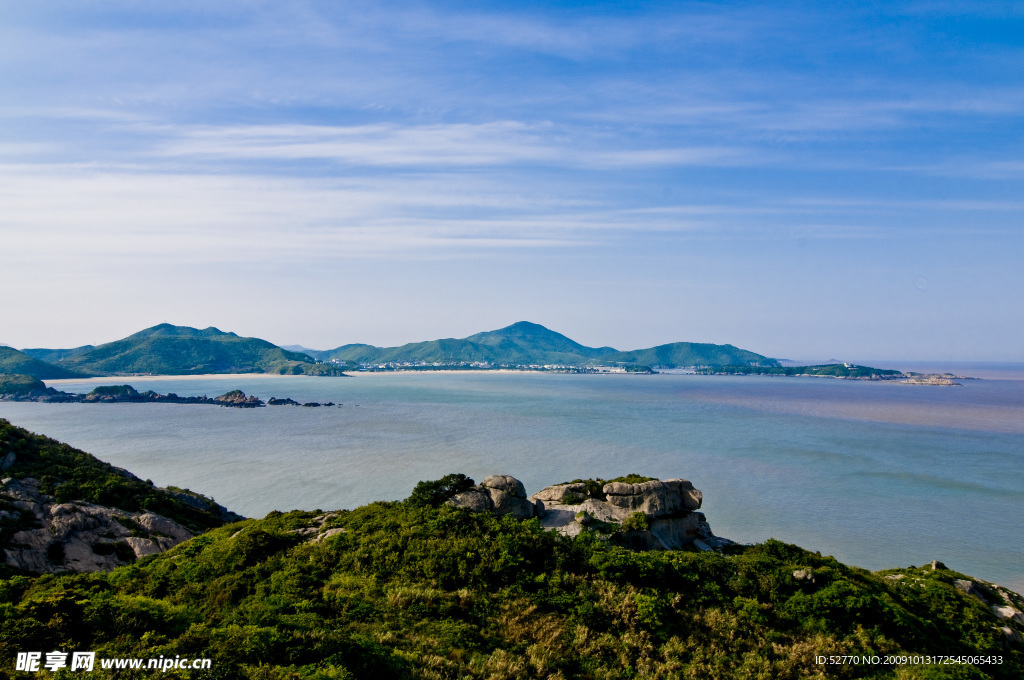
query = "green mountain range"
x=526 y=343
x=181 y=350
x=55 y=356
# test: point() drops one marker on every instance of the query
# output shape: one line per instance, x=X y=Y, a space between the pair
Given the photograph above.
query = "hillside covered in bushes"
x=422 y=589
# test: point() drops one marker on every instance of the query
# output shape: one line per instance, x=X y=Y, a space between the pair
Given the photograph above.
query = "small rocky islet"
x=27 y=388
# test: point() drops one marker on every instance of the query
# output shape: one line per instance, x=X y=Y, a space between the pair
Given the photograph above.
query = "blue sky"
x=800 y=179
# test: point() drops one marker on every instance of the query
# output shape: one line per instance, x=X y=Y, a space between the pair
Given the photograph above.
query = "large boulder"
x=558 y=493
x=500 y=494
x=507 y=504
x=476 y=499
x=506 y=483
x=654 y=497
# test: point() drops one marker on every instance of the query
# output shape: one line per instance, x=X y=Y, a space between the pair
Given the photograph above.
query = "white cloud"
x=65 y=215
x=391 y=145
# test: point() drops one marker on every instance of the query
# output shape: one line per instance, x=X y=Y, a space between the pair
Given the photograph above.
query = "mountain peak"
x=530 y=337
x=166 y=329
x=525 y=328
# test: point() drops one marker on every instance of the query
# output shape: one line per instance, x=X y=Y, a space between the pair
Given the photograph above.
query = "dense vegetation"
x=20 y=385
x=678 y=354
x=180 y=350
x=828 y=370
x=419 y=589
x=14 y=362
x=522 y=343
x=69 y=474
x=404 y=591
x=525 y=343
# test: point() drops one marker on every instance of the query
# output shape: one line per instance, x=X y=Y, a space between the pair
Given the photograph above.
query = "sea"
x=877 y=474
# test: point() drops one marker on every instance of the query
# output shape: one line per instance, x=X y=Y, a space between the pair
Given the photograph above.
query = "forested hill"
x=181 y=350
x=522 y=343
x=14 y=362
x=526 y=343
x=689 y=354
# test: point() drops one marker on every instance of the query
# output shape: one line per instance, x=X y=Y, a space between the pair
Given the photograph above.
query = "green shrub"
x=637 y=521
x=433 y=494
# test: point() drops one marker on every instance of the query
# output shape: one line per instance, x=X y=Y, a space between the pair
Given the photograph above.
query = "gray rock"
x=602 y=511
x=682 y=484
x=968 y=588
x=936 y=565
x=804 y=576
x=1008 y=613
x=80 y=530
x=1010 y=634
x=677 y=532
x=651 y=498
x=157 y=524
x=670 y=506
x=148 y=546
x=558 y=492
x=506 y=483
x=507 y=504
x=329 y=533
x=8 y=461
x=474 y=499
x=617 y=489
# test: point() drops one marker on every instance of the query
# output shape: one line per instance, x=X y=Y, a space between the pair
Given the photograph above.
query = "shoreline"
x=253 y=376
x=145 y=378
x=125 y=379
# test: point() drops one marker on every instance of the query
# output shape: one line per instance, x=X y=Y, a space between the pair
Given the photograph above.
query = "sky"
x=801 y=179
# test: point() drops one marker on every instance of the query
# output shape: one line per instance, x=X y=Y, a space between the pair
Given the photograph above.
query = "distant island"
x=838 y=370
x=181 y=350
x=522 y=346
x=168 y=350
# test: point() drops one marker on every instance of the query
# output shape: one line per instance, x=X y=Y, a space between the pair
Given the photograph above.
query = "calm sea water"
x=877 y=474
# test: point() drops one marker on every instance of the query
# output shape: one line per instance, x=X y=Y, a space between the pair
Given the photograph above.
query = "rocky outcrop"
x=968 y=588
x=650 y=515
x=14 y=388
x=238 y=399
x=500 y=494
x=52 y=537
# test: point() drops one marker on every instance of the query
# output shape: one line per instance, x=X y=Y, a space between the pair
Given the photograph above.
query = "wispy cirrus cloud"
x=487 y=144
